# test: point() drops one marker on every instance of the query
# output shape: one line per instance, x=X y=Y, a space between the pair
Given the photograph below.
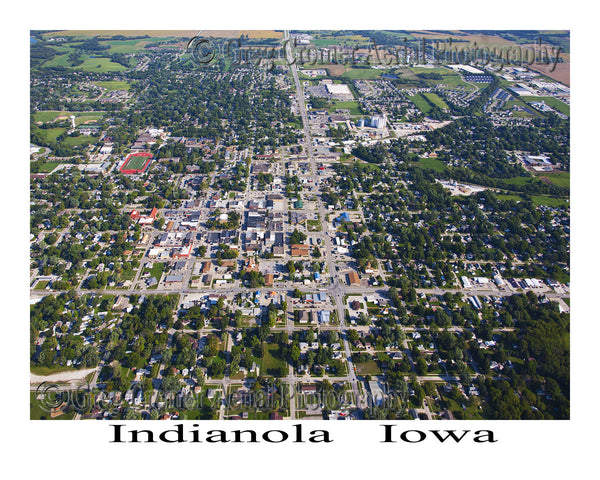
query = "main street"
x=335 y=289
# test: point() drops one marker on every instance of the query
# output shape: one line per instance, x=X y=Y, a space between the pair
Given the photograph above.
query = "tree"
x=170 y=385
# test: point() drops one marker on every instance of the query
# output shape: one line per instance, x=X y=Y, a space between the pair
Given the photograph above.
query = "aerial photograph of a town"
x=299 y=225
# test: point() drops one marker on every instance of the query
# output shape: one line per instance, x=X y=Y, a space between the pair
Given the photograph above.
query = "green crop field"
x=112 y=85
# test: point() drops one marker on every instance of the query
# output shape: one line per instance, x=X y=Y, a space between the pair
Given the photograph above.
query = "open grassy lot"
x=50 y=134
x=432 y=163
x=48 y=167
x=131 y=46
x=436 y=100
x=100 y=64
x=80 y=117
x=549 y=201
x=502 y=196
x=367 y=368
x=59 y=61
x=270 y=362
x=361 y=73
x=36 y=412
x=112 y=85
x=80 y=140
x=420 y=103
x=537 y=200
x=131 y=33
x=560 y=179
x=351 y=105
x=555 y=103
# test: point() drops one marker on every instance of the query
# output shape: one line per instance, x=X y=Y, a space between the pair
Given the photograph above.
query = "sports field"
x=136 y=163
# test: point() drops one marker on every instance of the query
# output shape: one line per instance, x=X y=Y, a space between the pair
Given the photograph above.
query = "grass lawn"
x=41 y=285
x=560 y=179
x=421 y=103
x=59 y=61
x=436 y=100
x=432 y=164
x=36 y=412
x=361 y=73
x=50 y=134
x=80 y=140
x=367 y=368
x=502 y=196
x=100 y=65
x=156 y=270
x=112 y=85
x=270 y=362
x=549 y=201
x=351 y=105
x=552 y=102
x=131 y=46
x=80 y=117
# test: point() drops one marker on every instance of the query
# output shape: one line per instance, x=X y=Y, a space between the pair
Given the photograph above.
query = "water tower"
x=73 y=121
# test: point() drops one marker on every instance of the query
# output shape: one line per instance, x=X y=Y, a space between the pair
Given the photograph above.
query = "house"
x=269 y=279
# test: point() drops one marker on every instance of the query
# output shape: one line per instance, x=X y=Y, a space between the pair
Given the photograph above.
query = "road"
x=335 y=289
